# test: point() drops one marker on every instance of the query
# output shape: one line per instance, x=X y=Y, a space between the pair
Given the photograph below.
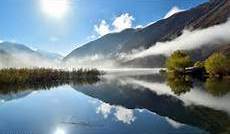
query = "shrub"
x=217 y=65
x=178 y=61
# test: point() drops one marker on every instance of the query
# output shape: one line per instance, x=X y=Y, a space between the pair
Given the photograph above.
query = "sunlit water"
x=120 y=103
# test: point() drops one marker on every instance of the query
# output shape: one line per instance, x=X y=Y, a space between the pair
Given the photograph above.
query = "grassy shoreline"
x=45 y=78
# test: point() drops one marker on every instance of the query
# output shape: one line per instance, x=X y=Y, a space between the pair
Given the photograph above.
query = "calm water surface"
x=120 y=103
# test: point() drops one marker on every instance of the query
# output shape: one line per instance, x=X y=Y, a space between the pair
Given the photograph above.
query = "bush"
x=217 y=65
x=178 y=61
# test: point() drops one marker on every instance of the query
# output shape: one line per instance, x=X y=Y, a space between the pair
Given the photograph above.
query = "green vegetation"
x=179 y=84
x=180 y=71
x=217 y=65
x=18 y=79
x=217 y=87
x=178 y=61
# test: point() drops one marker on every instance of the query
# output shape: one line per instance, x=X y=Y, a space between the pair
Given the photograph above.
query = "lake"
x=121 y=102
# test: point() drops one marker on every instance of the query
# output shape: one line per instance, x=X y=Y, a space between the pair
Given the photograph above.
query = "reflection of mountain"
x=203 y=16
x=12 y=54
x=13 y=96
x=133 y=96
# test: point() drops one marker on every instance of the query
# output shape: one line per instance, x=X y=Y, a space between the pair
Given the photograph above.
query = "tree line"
x=18 y=79
x=216 y=65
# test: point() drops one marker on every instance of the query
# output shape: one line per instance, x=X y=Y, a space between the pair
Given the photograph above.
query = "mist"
x=215 y=35
x=25 y=60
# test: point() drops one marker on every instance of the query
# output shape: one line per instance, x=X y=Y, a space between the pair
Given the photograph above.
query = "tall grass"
x=17 y=79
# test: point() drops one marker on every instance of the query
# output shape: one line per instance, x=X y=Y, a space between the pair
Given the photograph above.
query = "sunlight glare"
x=59 y=131
x=55 y=8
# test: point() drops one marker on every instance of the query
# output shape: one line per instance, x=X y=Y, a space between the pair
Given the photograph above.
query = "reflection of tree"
x=179 y=84
x=217 y=87
x=6 y=88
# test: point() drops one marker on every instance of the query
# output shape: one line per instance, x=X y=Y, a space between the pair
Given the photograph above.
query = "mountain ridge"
x=19 y=55
x=205 y=15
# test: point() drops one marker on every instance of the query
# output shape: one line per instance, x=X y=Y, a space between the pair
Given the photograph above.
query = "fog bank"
x=215 y=35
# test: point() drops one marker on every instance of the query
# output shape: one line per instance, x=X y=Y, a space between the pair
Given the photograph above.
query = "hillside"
x=111 y=45
x=19 y=55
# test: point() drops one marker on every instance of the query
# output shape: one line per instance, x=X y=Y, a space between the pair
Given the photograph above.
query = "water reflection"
x=59 y=131
x=104 y=109
x=15 y=88
x=181 y=99
x=142 y=103
x=122 y=114
x=179 y=84
x=174 y=123
x=217 y=87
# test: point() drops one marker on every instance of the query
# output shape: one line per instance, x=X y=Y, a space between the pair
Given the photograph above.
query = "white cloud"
x=1 y=41
x=172 y=11
x=102 y=28
x=122 y=22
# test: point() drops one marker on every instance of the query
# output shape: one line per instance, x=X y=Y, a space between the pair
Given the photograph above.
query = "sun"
x=55 y=8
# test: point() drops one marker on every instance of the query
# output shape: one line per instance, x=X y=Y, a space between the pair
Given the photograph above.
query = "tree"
x=217 y=65
x=178 y=61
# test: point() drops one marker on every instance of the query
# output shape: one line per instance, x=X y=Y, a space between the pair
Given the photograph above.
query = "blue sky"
x=24 y=21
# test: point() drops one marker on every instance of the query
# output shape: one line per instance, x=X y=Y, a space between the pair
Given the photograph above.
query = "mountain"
x=203 y=16
x=109 y=44
x=50 y=55
x=10 y=47
x=19 y=55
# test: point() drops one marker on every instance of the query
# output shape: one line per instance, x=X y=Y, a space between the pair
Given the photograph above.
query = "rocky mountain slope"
x=203 y=16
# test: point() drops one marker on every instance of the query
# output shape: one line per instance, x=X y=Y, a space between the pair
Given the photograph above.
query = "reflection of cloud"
x=200 y=97
x=174 y=123
x=124 y=115
x=2 y=101
x=104 y=109
x=195 y=96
